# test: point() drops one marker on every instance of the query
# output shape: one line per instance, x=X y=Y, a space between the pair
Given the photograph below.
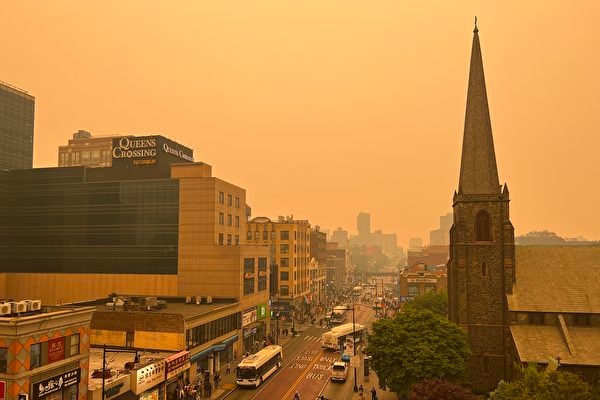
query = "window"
x=284 y=235
x=262 y=274
x=237 y=202
x=3 y=358
x=229 y=220
x=229 y=200
x=248 y=276
x=413 y=290
x=483 y=269
x=220 y=239
x=285 y=262
x=256 y=235
x=72 y=345
x=228 y=239
x=249 y=235
x=129 y=336
x=536 y=318
x=221 y=218
x=284 y=276
x=581 y=319
x=273 y=249
x=221 y=197
x=284 y=290
x=272 y=235
x=284 y=248
x=237 y=240
x=237 y=221
x=35 y=355
x=265 y=235
x=482 y=226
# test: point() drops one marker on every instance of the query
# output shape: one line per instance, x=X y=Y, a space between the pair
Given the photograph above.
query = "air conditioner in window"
x=5 y=308
x=198 y=299
x=208 y=299
x=20 y=307
x=35 y=305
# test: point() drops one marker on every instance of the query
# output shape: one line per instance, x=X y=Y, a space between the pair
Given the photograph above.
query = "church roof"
x=560 y=279
x=535 y=343
x=478 y=170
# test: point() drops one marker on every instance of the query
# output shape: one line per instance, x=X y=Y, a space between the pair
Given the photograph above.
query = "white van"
x=339 y=371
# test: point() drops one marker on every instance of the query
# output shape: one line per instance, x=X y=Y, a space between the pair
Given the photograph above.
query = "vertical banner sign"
x=56 y=350
x=2 y=390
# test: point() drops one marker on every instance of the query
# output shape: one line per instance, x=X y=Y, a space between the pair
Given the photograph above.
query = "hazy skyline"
x=323 y=109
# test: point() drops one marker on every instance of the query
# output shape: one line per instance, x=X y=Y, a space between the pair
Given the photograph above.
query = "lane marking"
x=302 y=376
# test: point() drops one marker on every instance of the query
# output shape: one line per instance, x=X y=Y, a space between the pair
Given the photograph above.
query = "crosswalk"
x=311 y=338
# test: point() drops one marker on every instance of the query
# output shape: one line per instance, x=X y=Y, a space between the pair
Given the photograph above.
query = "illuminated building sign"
x=56 y=383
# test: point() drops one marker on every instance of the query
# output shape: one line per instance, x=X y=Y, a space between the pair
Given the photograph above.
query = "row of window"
x=249 y=276
x=222 y=237
x=298 y=261
x=45 y=353
x=229 y=200
x=204 y=333
x=284 y=290
x=229 y=220
x=285 y=275
x=283 y=235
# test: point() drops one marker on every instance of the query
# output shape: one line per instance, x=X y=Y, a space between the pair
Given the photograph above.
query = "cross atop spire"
x=478 y=170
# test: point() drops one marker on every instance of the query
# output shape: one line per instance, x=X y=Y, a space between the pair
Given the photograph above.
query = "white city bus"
x=336 y=337
x=254 y=369
x=338 y=315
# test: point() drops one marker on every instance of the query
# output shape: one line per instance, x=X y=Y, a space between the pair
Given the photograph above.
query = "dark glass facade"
x=17 y=110
x=77 y=220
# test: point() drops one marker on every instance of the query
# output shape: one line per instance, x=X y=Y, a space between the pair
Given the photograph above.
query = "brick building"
x=39 y=349
x=480 y=268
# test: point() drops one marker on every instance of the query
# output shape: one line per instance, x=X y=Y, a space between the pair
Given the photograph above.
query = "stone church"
x=518 y=304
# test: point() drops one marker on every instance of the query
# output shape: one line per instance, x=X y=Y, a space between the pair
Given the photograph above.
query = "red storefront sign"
x=56 y=349
x=2 y=390
x=177 y=363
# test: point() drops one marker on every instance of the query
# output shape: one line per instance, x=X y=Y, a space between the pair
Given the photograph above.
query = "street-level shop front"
x=177 y=372
x=147 y=382
x=63 y=386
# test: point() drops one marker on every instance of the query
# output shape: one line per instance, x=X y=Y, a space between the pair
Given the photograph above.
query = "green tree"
x=436 y=389
x=417 y=345
x=543 y=385
x=432 y=301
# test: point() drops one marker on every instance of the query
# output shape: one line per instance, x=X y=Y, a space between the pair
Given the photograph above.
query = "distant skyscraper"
x=363 y=224
x=415 y=243
x=441 y=236
x=17 y=109
x=340 y=237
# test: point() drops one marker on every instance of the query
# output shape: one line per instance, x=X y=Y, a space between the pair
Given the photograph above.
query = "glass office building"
x=17 y=109
x=73 y=220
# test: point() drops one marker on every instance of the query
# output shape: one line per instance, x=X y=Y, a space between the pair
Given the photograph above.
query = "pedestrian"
x=217 y=378
x=373 y=393
x=228 y=368
x=360 y=389
x=296 y=396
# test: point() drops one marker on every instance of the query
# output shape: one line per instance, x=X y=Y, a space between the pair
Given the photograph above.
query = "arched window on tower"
x=482 y=226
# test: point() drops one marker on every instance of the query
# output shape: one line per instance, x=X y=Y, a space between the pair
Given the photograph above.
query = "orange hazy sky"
x=324 y=108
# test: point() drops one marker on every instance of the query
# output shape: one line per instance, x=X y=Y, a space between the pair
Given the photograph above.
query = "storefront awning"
x=218 y=347
x=201 y=354
x=231 y=339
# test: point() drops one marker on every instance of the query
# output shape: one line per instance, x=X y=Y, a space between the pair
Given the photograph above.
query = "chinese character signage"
x=177 y=363
x=148 y=377
x=56 y=383
x=248 y=316
x=56 y=349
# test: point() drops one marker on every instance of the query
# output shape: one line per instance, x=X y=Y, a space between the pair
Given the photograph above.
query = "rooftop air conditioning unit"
x=188 y=299
x=198 y=299
x=208 y=299
x=20 y=307
x=5 y=308
x=35 y=305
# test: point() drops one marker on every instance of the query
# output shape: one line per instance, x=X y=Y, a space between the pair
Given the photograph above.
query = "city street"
x=306 y=368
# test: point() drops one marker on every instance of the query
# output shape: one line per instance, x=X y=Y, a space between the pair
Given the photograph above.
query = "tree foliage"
x=417 y=345
x=544 y=385
x=432 y=301
x=436 y=389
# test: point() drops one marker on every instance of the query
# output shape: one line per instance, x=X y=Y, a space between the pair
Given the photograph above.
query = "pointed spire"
x=478 y=170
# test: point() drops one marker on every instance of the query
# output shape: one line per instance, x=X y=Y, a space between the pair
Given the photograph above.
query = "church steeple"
x=478 y=170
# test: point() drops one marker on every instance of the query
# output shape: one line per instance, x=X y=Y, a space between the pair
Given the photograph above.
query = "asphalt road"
x=306 y=369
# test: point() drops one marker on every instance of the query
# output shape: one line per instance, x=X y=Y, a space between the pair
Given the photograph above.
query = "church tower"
x=482 y=257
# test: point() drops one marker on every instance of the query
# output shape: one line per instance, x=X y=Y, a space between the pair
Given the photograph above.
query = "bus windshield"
x=246 y=372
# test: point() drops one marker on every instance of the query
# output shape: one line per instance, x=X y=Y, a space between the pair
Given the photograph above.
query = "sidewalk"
x=372 y=381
